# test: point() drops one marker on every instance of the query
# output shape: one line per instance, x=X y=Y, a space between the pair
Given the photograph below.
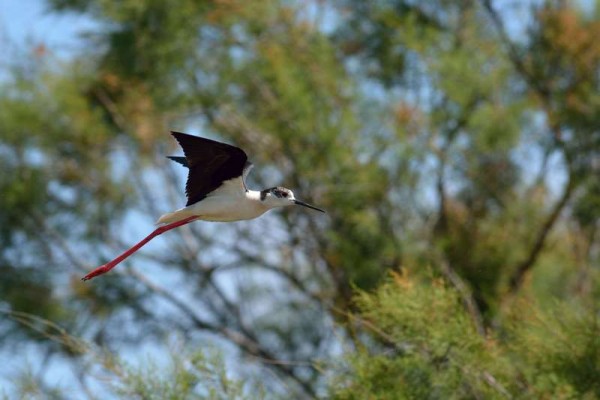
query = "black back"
x=210 y=163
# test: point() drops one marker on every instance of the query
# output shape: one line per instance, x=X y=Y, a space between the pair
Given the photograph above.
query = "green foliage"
x=442 y=143
x=561 y=349
x=195 y=377
x=431 y=349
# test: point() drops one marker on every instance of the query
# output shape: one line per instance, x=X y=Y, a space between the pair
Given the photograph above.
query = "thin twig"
x=518 y=276
x=242 y=341
x=466 y=295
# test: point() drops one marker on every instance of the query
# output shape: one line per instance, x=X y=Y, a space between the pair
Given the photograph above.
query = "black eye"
x=284 y=194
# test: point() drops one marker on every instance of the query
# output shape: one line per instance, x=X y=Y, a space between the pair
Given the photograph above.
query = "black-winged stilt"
x=216 y=191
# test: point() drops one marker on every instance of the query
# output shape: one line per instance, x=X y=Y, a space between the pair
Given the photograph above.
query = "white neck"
x=253 y=195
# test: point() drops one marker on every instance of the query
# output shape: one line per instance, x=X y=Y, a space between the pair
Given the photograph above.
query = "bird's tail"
x=181 y=160
x=174 y=216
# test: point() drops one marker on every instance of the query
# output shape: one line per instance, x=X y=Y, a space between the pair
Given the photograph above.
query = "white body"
x=230 y=202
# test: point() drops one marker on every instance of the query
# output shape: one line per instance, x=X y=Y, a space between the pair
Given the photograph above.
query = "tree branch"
x=242 y=341
x=516 y=280
x=466 y=294
x=513 y=53
x=545 y=95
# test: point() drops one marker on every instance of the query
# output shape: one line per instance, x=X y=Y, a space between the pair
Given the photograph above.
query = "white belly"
x=226 y=204
x=223 y=208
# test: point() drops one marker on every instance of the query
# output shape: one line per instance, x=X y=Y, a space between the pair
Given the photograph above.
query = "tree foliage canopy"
x=455 y=150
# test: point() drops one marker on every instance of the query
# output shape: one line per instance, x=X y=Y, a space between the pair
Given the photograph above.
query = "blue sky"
x=28 y=22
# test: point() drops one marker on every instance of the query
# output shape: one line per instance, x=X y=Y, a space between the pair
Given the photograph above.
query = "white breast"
x=230 y=202
x=229 y=205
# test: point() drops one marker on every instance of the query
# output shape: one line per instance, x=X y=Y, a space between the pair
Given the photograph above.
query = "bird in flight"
x=216 y=191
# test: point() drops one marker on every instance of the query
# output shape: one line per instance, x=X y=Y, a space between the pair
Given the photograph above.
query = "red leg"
x=110 y=265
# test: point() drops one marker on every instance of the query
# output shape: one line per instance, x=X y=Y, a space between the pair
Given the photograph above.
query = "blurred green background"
x=454 y=144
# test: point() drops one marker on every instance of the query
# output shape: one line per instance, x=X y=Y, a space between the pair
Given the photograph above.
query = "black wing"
x=210 y=163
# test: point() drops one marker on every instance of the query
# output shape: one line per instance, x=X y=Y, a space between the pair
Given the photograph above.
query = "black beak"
x=301 y=203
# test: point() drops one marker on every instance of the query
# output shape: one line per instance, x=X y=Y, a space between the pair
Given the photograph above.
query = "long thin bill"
x=301 y=203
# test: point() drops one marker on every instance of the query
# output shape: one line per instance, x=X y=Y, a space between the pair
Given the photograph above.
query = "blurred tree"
x=541 y=354
x=434 y=136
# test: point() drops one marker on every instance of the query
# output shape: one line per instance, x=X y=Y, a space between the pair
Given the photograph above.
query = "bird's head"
x=281 y=197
